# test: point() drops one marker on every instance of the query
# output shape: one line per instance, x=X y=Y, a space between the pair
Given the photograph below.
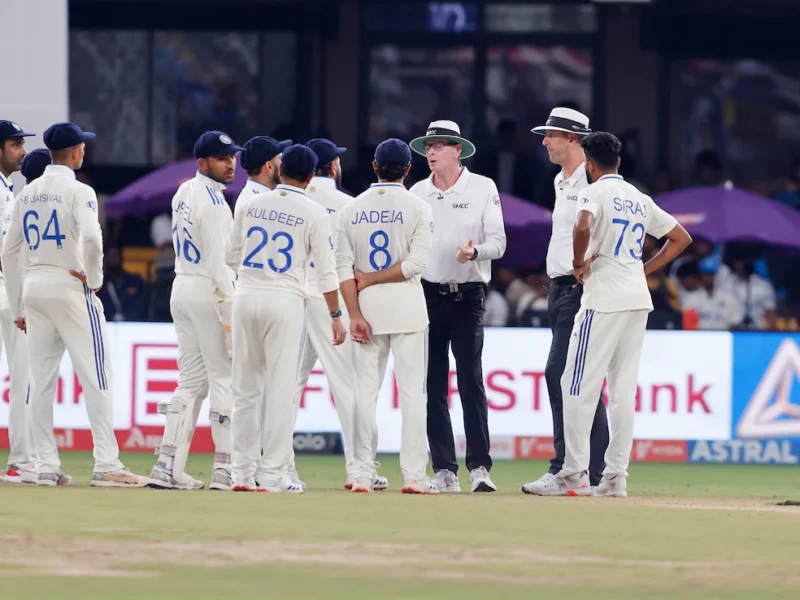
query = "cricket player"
x=54 y=239
x=261 y=158
x=383 y=246
x=613 y=219
x=34 y=164
x=21 y=459
x=272 y=242
x=201 y=303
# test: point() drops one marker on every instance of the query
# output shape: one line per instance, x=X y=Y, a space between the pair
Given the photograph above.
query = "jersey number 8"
x=30 y=224
x=380 y=249
x=287 y=263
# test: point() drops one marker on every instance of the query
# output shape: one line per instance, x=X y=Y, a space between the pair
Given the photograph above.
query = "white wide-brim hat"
x=567 y=120
x=443 y=130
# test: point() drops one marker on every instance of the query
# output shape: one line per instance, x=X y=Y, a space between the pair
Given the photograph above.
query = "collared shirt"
x=6 y=198
x=565 y=212
x=250 y=189
x=53 y=226
x=469 y=210
x=324 y=192
x=274 y=238
x=201 y=224
x=384 y=226
x=615 y=281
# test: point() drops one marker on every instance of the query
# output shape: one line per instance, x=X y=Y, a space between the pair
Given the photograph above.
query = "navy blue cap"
x=325 y=150
x=215 y=143
x=34 y=163
x=65 y=135
x=9 y=129
x=393 y=152
x=261 y=149
x=299 y=160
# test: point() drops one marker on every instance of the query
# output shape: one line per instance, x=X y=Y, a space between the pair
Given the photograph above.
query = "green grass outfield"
x=687 y=531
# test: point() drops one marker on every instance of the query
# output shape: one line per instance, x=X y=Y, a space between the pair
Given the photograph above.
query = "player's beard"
x=338 y=179
x=588 y=175
x=276 y=179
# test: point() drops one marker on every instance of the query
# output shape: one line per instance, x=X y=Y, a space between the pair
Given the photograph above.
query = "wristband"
x=474 y=254
x=336 y=314
x=574 y=266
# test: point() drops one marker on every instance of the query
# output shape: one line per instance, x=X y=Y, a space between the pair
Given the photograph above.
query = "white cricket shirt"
x=250 y=189
x=324 y=192
x=53 y=226
x=6 y=198
x=469 y=210
x=622 y=216
x=275 y=236
x=565 y=212
x=201 y=224
x=384 y=226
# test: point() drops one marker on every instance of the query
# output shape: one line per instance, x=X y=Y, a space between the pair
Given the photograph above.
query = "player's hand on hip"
x=339 y=331
x=582 y=271
x=21 y=324
x=359 y=330
x=82 y=278
x=465 y=252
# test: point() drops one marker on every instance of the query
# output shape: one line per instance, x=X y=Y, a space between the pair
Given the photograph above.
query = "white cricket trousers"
x=410 y=351
x=204 y=369
x=338 y=364
x=268 y=336
x=602 y=345
x=62 y=313
x=20 y=433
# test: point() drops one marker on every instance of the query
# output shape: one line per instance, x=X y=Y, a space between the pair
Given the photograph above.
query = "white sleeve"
x=417 y=260
x=213 y=231
x=322 y=254
x=589 y=201
x=12 y=261
x=235 y=244
x=494 y=230
x=85 y=211
x=660 y=222
x=345 y=257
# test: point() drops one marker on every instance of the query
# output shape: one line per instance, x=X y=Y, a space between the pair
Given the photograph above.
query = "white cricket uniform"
x=609 y=328
x=272 y=241
x=250 y=189
x=384 y=226
x=337 y=361
x=201 y=222
x=54 y=229
x=16 y=343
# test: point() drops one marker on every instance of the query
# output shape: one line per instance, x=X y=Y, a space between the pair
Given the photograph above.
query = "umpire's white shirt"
x=384 y=226
x=469 y=210
x=565 y=211
x=57 y=217
x=324 y=192
x=622 y=217
x=201 y=223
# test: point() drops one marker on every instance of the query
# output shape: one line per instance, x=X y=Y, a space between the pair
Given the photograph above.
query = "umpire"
x=468 y=234
x=562 y=137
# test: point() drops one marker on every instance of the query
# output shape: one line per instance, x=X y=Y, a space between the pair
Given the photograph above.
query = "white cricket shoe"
x=612 y=485
x=161 y=480
x=378 y=484
x=560 y=485
x=221 y=480
x=15 y=474
x=284 y=484
x=294 y=477
x=244 y=486
x=420 y=486
x=362 y=485
x=120 y=478
x=481 y=482
x=545 y=479
x=54 y=479
x=446 y=481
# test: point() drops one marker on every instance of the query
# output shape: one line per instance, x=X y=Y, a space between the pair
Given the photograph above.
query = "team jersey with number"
x=275 y=236
x=622 y=216
x=384 y=226
x=323 y=191
x=201 y=222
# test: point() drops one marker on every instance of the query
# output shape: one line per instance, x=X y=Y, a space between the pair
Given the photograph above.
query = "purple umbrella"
x=153 y=193
x=528 y=229
x=723 y=215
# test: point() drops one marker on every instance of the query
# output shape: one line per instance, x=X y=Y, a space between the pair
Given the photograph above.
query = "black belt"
x=565 y=280
x=451 y=288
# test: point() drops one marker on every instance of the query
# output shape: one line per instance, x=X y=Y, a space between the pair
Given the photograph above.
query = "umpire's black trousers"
x=455 y=313
x=563 y=304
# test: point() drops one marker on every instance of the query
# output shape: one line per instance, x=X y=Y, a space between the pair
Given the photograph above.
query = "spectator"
x=161 y=236
x=715 y=306
x=511 y=286
x=790 y=190
x=755 y=294
x=496 y=309
x=535 y=297
x=662 y=289
x=708 y=171
x=123 y=294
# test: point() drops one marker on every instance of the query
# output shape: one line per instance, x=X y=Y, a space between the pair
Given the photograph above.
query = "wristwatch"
x=474 y=254
x=337 y=314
